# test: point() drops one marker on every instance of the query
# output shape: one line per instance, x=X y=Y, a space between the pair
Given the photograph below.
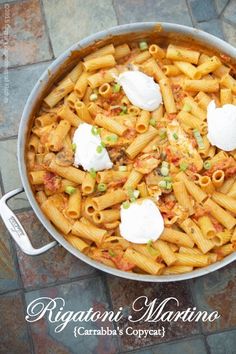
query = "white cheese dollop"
x=141 y=222
x=222 y=126
x=86 y=153
x=141 y=90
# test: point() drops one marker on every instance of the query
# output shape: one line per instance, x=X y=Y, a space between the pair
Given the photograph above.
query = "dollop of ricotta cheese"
x=222 y=126
x=86 y=153
x=141 y=90
x=141 y=222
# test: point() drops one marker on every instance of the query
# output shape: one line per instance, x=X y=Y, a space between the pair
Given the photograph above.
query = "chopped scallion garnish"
x=187 y=107
x=124 y=109
x=183 y=166
x=111 y=253
x=162 y=133
x=92 y=173
x=112 y=138
x=73 y=146
x=153 y=122
x=70 y=190
x=143 y=45
x=168 y=185
x=162 y=184
x=136 y=193
x=116 y=88
x=199 y=139
x=175 y=136
x=126 y=204
x=102 y=187
x=207 y=165
x=95 y=130
x=93 y=97
x=164 y=171
x=122 y=168
x=99 y=149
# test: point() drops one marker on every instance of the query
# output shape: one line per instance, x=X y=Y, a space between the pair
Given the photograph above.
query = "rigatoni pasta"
x=163 y=155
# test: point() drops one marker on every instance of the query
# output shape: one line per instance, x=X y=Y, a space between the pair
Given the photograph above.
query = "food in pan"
x=132 y=157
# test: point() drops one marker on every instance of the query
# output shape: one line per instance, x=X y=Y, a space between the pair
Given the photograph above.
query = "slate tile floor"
x=38 y=31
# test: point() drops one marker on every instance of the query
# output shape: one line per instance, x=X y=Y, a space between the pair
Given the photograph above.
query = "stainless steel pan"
x=164 y=32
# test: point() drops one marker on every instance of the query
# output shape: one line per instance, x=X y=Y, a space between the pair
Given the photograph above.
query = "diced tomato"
x=51 y=181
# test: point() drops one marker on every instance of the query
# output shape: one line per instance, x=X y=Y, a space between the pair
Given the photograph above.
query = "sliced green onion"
x=154 y=147
x=92 y=172
x=143 y=45
x=175 y=136
x=93 y=97
x=103 y=144
x=122 y=168
x=199 y=139
x=70 y=190
x=183 y=166
x=111 y=253
x=99 y=149
x=126 y=204
x=73 y=146
x=113 y=138
x=133 y=199
x=124 y=109
x=116 y=88
x=168 y=185
x=162 y=134
x=153 y=122
x=162 y=184
x=187 y=107
x=164 y=171
x=136 y=193
x=149 y=243
x=168 y=179
x=102 y=187
x=207 y=165
x=95 y=130
x=165 y=164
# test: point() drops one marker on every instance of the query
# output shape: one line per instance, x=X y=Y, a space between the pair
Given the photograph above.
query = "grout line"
x=28 y=65
x=114 y=7
x=12 y=137
x=195 y=302
x=224 y=8
x=109 y=300
x=46 y=28
x=28 y=327
x=207 y=345
x=190 y=14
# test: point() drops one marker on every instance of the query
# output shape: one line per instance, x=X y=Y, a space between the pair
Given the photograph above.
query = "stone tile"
x=13 y=328
x=190 y=346
x=78 y=296
x=129 y=11
x=230 y=34
x=55 y=265
x=220 y=5
x=230 y=12
x=15 y=88
x=213 y=27
x=222 y=343
x=10 y=173
x=203 y=10
x=217 y=292
x=80 y=19
x=123 y=294
x=25 y=35
x=8 y=272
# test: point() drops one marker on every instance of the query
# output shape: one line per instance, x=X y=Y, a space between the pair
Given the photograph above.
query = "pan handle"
x=15 y=228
